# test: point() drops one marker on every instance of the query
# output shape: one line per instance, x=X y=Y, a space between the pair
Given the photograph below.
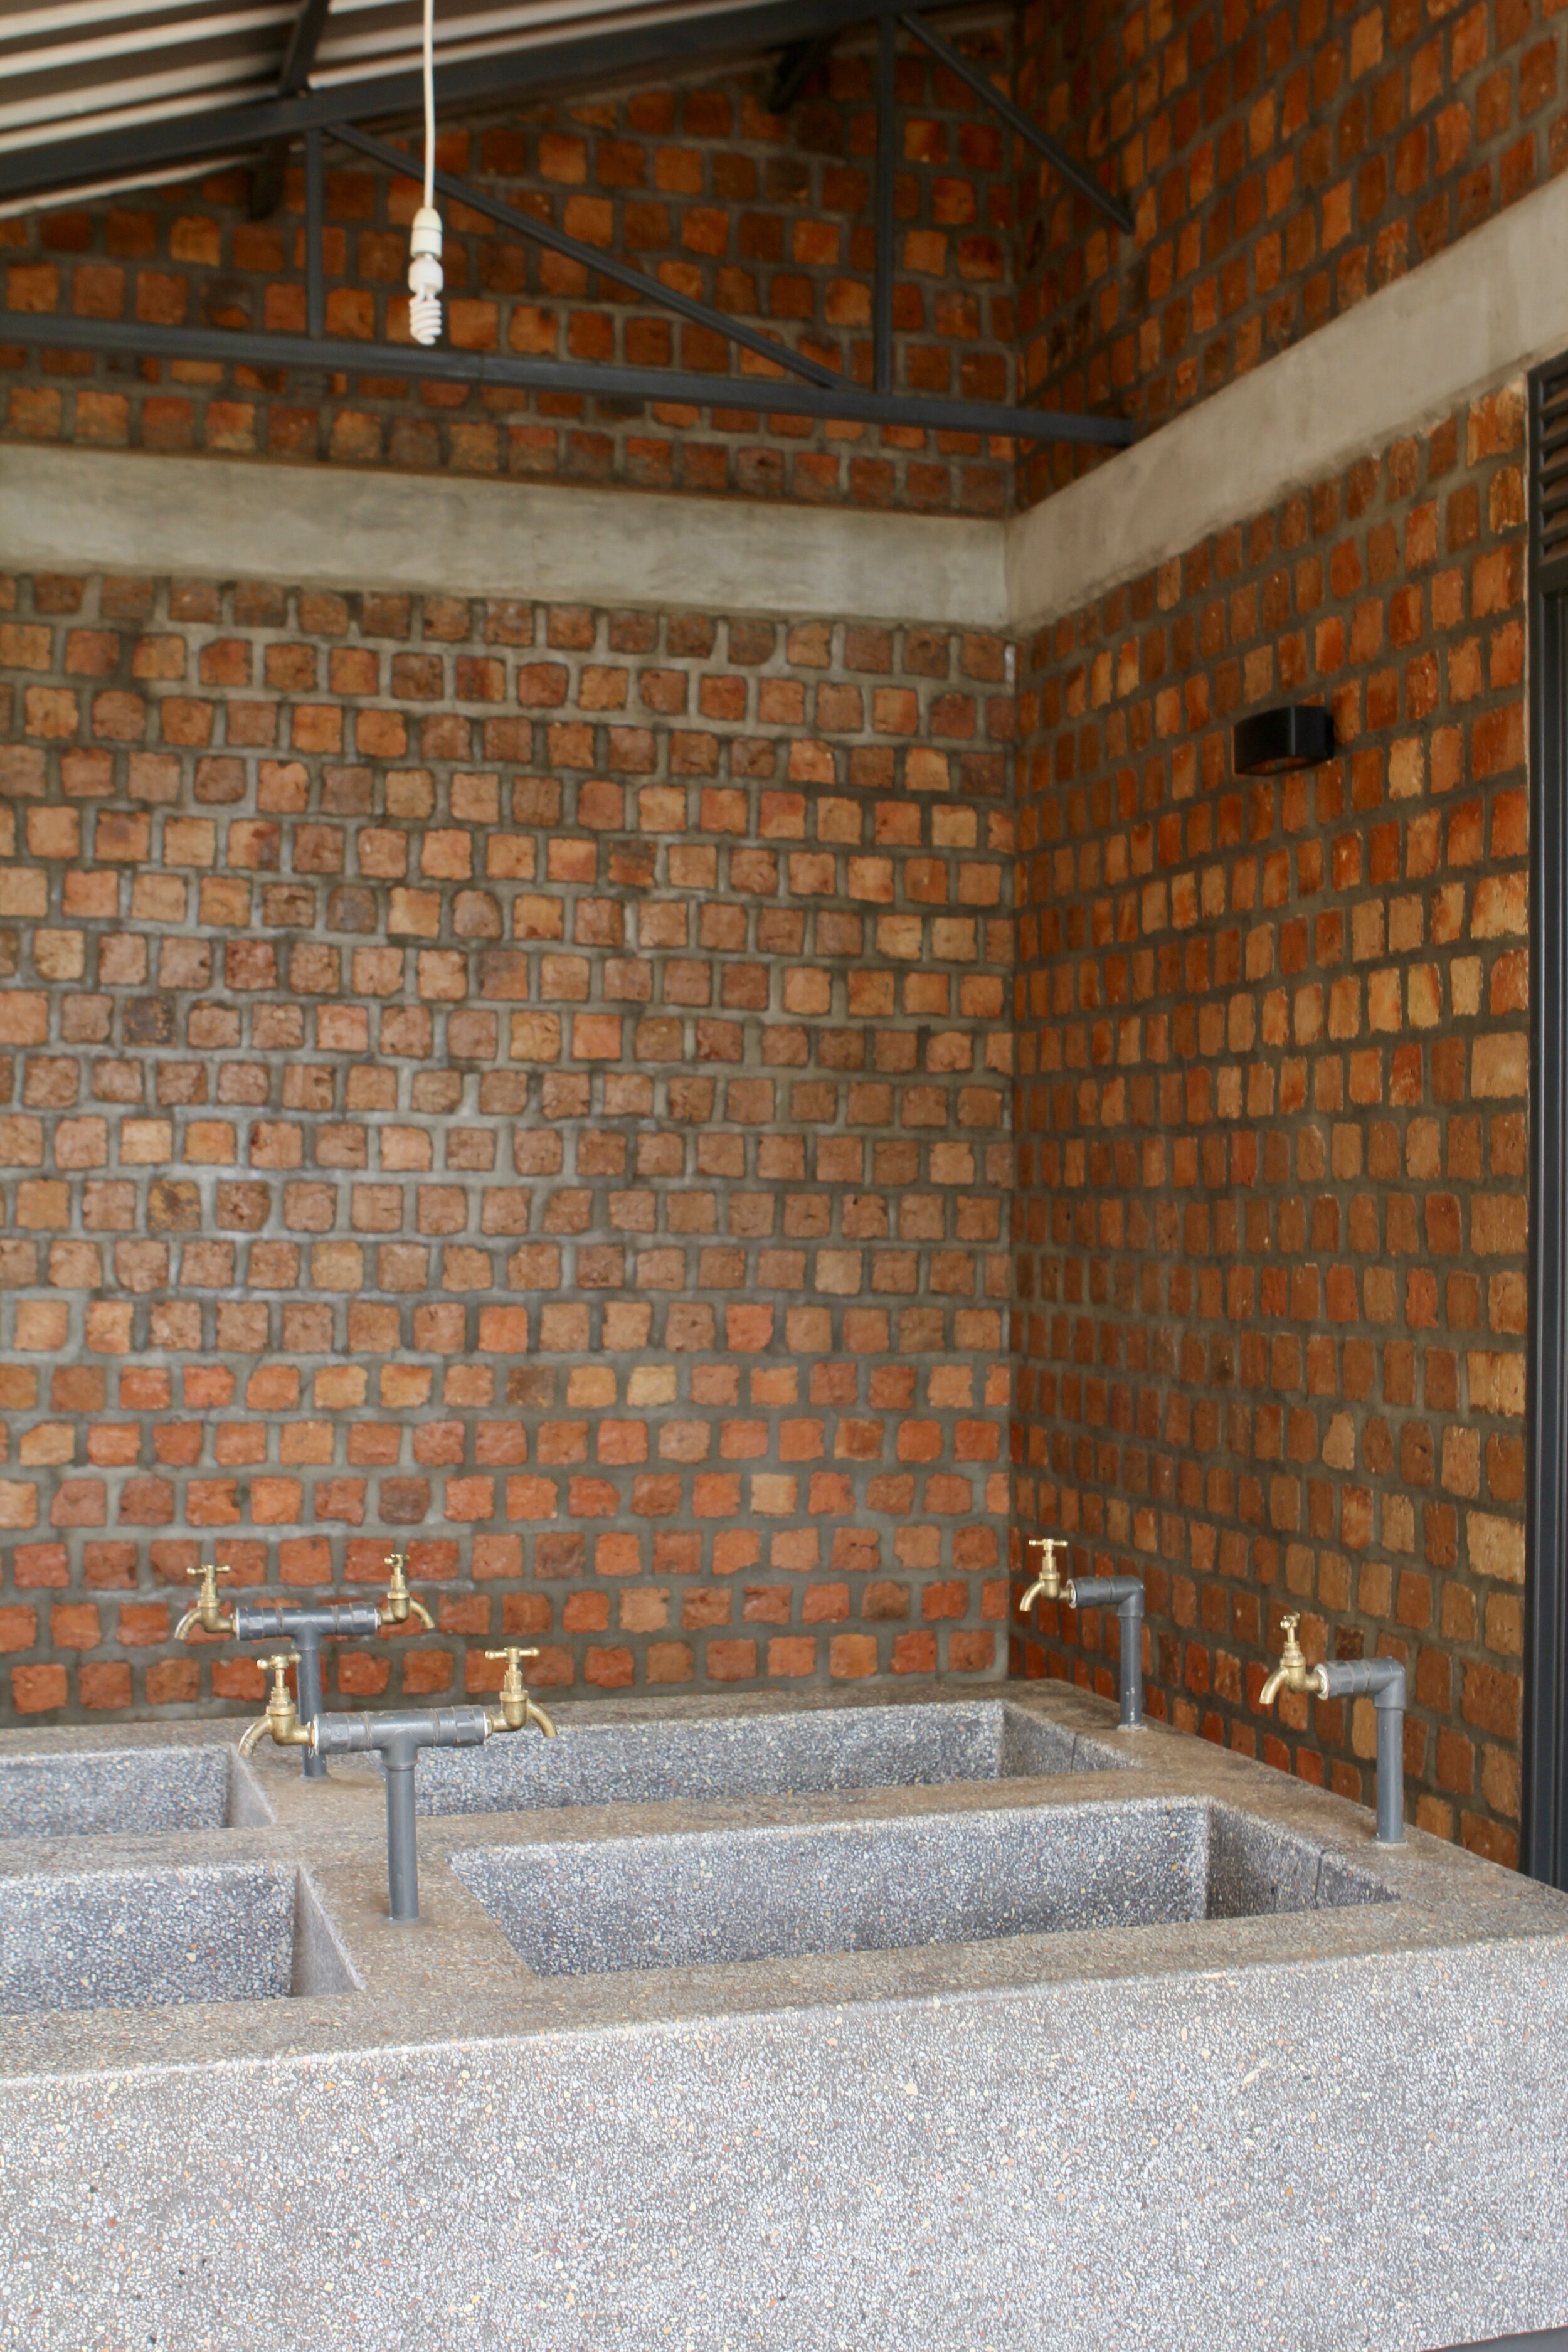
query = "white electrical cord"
x=429 y=105
x=425 y=274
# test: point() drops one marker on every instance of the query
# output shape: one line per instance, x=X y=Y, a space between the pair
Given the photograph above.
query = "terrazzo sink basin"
x=144 y=1789
x=818 y=1750
x=128 y=1938
x=684 y=1900
x=1270 y=2028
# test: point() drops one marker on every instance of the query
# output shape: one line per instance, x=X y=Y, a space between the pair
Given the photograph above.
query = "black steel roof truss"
x=795 y=68
x=545 y=233
x=598 y=379
x=1016 y=118
x=269 y=171
x=304 y=40
x=821 y=392
x=884 y=200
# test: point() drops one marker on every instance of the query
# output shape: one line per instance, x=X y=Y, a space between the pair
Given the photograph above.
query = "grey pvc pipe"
x=1126 y=1594
x=308 y=1680
x=402 y=1840
x=1382 y=1680
x=306 y=1626
x=398 y=1736
x=1390 y=1773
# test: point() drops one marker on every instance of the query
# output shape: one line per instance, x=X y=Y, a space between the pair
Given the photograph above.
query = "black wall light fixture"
x=1294 y=735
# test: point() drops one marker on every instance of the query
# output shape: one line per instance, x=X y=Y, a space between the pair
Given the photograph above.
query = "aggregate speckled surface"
x=771 y=1892
x=804 y=1752
x=1335 y=2127
x=85 y=1795
x=146 y=1938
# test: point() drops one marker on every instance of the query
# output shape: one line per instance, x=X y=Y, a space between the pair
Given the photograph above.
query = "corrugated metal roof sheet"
x=84 y=67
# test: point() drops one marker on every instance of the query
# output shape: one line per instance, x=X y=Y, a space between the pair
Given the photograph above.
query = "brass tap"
x=281 y=1719
x=400 y=1604
x=1048 y=1584
x=206 y=1610
x=517 y=1710
x=1293 y=1673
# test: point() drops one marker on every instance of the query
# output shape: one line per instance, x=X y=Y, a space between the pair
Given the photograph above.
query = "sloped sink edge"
x=154 y=1936
x=678 y=1899
x=146 y=1789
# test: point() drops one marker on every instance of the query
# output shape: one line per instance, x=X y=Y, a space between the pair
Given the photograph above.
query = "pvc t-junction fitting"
x=398 y=1737
x=305 y=1625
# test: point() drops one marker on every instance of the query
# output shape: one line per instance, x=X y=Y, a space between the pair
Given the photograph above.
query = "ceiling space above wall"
x=100 y=96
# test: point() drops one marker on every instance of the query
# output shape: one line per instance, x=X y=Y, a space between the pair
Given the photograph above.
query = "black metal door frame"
x=1544 y=1845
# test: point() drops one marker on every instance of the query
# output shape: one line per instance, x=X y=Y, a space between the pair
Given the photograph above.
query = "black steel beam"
x=589 y=59
x=545 y=233
x=315 y=235
x=596 y=380
x=982 y=86
x=270 y=172
x=268 y=180
x=304 y=40
x=886 y=189
x=793 y=70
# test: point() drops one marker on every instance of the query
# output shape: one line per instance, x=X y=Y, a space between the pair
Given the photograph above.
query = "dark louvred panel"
x=1551 y=480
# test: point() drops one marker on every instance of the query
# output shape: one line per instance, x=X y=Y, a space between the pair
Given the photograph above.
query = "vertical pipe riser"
x=1391 y=1776
x=1125 y=1593
x=1131 y=1615
x=308 y=1677
x=402 y=1842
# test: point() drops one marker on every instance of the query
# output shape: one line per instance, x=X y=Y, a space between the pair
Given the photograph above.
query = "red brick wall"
x=767 y=219
x=524 y=1085
x=1272 y=1037
x=1281 y=163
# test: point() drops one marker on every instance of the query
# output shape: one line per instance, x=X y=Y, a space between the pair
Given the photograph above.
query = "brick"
x=620 y=189
x=1233 y=1266
x=37 y=1690
x=1190 y=1126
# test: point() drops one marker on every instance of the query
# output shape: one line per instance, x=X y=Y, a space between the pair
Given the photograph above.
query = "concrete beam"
x=329 y=527
x=1477 y=316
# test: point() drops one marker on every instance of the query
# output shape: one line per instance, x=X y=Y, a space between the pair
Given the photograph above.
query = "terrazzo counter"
x=862 y=2025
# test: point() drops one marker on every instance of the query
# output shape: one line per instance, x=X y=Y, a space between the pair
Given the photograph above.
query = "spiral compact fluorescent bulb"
x=424 y=277
x=424 y=274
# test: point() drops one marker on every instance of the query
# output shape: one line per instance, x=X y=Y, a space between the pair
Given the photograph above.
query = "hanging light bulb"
x=425 y=278
x=425 y=274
